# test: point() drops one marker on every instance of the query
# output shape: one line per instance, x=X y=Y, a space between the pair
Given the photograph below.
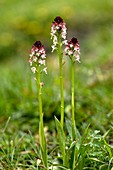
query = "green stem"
x=40 y=96
x=61 y=79
x=41 y=125
x=73 y=110
x=72 y=100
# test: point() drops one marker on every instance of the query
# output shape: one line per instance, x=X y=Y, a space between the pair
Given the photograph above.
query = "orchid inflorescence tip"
x=72 y=49
x=58 y=28
x=37 y=57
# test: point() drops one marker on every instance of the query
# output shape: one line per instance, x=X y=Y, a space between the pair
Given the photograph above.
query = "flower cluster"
x=58 y=28
x=72 y=49
x=37 y=57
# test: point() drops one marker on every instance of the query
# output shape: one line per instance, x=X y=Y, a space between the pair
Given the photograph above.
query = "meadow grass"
x=19 y=107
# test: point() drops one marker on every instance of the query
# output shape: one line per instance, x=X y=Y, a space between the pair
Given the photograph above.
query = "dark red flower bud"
x=58 y=20
x=38 y=44
x=74 y=40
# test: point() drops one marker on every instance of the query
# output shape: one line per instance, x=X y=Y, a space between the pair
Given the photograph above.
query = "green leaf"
x=84 y=137
x=108 y=148
x=82 y=149
x=69 y=127
x=72 y=160
x=72 y=144
x=61 y=138
x=43 y=144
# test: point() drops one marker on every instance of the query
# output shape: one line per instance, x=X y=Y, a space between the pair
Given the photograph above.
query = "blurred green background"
x=21 y=24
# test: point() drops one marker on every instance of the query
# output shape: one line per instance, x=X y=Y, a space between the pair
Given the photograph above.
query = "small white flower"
x=30 y=61
x=43 y=56
x=57 y=27
x=34 y=58
x=66 y=49
x=71 y=45
x=63 y=36
x=55 y=40
x=45 y=70
x=42 y=62
x=70 y=52
x=53 y=30
x=41 y=51
x=33 y=69
x=36 y=49
x=38 y=161
x=77 y=58
x=31 y=55
x=38 y=54
x=64 y=42
x=53 y=48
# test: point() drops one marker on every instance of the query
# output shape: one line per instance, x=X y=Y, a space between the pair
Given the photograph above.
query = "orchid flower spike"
x=58 y=28
x=37 y=57
x=72 y=49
